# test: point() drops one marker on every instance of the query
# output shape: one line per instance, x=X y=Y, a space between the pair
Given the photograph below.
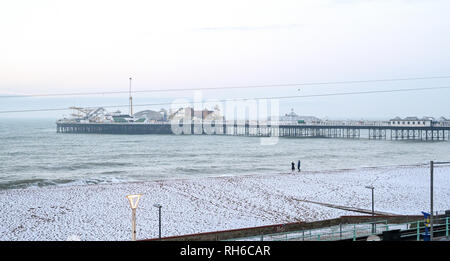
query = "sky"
x=95 y=46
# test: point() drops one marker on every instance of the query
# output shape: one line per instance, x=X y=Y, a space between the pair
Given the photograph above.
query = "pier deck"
x=375 y=132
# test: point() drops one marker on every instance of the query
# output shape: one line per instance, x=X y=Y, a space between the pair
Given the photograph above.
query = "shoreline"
x=75 y=183
x=206 y=204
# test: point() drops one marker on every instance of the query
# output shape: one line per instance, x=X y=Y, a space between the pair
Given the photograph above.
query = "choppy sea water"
x=33 y=154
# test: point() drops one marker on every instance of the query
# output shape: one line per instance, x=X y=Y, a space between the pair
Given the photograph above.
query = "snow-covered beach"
x=101 y=212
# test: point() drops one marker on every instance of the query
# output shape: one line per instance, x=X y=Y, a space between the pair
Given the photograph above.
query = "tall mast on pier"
x=131 y=101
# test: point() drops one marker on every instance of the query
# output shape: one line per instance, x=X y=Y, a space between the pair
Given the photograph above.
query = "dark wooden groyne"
x=430 y=133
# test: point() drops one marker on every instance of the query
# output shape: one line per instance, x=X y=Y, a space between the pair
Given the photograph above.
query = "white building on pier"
x=412 y=122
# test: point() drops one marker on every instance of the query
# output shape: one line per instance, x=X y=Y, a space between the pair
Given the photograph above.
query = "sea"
x=33 y=154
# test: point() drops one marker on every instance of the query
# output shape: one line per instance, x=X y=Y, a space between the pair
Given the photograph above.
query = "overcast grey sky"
x=92 y=46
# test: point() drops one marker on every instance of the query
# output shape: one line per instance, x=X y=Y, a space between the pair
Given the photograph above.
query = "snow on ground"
x=101 y=212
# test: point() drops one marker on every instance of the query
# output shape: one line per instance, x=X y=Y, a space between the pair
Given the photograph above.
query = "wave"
x=90 y=165
x=133 y=155
x=27 y=183
x=112 y=172
x=69 y=167
x=38 y=183
x=187 y=170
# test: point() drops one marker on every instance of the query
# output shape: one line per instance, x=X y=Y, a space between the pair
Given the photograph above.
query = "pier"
x=345 y=131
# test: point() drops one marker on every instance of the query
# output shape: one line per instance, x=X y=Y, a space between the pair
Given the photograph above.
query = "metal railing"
x=414 y=230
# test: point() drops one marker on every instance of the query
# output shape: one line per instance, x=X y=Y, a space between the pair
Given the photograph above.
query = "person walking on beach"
x=298 y=165
x=293 y=166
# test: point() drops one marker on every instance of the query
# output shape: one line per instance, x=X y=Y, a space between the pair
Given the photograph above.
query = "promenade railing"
x=414 y=230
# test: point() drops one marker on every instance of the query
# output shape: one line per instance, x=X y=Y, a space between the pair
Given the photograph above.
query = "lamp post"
x=159 y=208
x=431 y=199
x=134 y=200
x=373 y=207
x=432 y=163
